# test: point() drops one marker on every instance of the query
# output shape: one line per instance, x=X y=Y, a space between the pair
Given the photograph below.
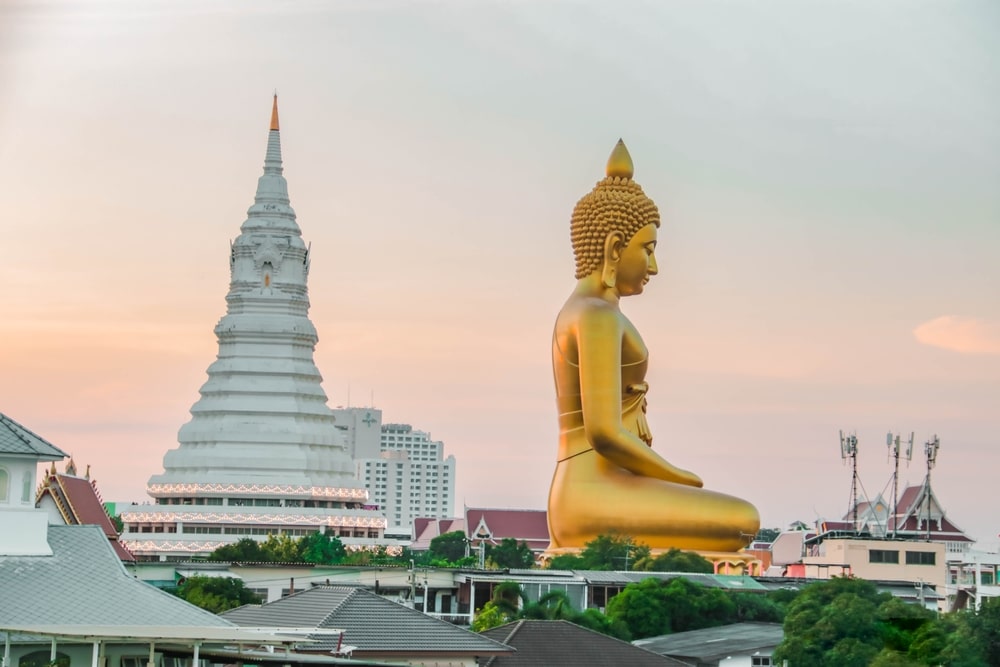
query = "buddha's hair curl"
x=616 y=204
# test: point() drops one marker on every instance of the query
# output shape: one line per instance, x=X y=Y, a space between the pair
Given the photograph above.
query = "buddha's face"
x=637 y=262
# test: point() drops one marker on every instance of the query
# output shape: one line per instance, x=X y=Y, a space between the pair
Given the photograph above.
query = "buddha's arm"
x=599 y=340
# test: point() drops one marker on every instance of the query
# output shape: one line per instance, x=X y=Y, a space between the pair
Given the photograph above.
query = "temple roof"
x=491 y=525
x=529 y=526
x=19 y=441
x=79 y=502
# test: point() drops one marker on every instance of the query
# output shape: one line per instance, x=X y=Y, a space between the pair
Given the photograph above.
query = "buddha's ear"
x=613 y=246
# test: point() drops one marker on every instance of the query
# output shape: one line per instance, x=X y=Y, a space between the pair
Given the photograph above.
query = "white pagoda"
x=262 y=454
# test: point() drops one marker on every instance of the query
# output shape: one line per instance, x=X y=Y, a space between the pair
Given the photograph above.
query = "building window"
x=26 y=487
x=760 y=661
x=920 y=558
x=884 y=556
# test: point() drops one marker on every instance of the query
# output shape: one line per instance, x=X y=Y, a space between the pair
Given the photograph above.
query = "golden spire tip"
x=620 y=162
x=274 y=112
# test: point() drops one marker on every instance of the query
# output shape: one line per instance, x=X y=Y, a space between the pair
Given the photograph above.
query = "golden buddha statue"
x=608 y=479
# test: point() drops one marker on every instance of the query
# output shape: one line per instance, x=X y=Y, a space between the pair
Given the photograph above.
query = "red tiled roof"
x=78 y=497
x=530 y=526
x=426 y=530
x=908 y=497
x=85 y=504
x=828 y=526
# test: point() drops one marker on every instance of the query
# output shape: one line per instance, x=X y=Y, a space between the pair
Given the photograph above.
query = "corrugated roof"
x=371 y=623
x=713 y=644
x=16 y=439
x=84 y=583
x=557 y=643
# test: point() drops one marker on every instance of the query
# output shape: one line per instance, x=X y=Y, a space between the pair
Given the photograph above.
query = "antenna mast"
x=849 y=450
x=930 y=452
x=892 y=442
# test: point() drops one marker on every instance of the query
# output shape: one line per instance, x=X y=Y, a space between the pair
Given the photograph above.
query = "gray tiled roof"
x=713 y=644
x=556 y=643
x=370 y=622
x=15 y=439
x=84 y=583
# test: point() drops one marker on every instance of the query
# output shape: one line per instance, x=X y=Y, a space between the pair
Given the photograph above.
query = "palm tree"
x=553 y=606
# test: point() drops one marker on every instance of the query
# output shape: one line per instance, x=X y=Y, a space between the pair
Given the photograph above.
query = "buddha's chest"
x=635 y=356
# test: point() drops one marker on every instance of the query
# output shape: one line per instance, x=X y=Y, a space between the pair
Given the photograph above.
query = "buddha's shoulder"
x=582 y=309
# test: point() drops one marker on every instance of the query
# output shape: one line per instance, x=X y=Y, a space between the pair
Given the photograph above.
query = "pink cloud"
x=960 y=334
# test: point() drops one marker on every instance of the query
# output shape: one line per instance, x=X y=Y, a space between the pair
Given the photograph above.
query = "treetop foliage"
x=216 y=594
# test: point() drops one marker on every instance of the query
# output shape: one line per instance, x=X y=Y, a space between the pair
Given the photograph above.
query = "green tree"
x=565 y=562
x=503 y=607
x=449 y=547
x=281 y=549
x=756 y=607
x=655 y=607
x=216 y=594
x=640 y=608
x=246 y=550
x=553 y=606
x=675 y=560
x=834 y=623
x=612 y=552
x=490 y=616
x=509 y=597
x=510 y=554
x=509 y=603
x=322 y=549
x=598 y=622
x=982 y=629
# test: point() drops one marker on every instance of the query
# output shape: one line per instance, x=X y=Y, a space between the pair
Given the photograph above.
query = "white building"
x=262 y=454
x=405 y=471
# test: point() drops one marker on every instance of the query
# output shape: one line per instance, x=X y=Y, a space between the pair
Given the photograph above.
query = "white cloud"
x=960 y=334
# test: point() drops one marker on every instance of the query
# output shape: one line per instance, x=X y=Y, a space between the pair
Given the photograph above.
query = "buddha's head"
x=610 y=215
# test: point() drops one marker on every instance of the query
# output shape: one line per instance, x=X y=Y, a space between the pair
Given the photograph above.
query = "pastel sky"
x=828 y=174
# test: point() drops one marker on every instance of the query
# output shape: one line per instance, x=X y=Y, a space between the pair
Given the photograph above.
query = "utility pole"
x=413 y=584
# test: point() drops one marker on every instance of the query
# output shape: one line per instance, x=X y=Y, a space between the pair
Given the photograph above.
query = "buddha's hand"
x=685 y=477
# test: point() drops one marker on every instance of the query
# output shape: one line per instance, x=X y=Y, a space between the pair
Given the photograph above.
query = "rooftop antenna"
x=930 y=452
x=893 y=443
x=849 y=450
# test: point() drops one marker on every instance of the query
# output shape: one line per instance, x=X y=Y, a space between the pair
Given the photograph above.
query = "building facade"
x=407 y=476
x=262 y=454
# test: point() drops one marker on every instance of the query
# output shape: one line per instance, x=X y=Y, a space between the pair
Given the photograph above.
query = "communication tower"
x=894 y=445
x=849 y=451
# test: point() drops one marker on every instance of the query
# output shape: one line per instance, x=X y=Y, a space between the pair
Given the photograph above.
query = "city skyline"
x=826 y=175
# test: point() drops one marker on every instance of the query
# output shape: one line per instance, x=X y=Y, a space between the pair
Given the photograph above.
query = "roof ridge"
x=19 y=430
x=333 y=610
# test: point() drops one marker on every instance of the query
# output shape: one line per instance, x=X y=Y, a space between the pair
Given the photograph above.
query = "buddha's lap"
x=588 y=498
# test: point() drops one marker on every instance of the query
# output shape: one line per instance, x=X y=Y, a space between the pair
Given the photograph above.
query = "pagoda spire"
x=272 y=159
x=271 y=209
